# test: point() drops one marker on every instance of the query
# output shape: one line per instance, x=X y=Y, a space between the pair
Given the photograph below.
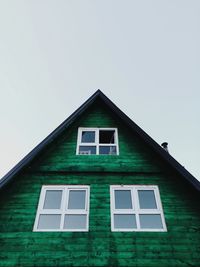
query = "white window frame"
x=135 y=207
x=96 y=143
x=63 y=209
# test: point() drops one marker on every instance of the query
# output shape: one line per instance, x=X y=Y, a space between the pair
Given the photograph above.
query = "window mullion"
x=136 y=206
x=112 y=206
x=87 y=206
x=116 y=141
x=97 y=140
x=50 y=211
x=149 y=211
x=157 y=197
x=63 y=206
x=123 y=211
x=86 y=200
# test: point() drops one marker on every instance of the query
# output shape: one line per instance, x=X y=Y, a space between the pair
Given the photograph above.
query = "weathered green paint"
x=136 y=164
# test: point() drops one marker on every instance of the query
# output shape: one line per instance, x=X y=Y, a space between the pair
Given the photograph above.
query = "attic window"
x=136 y=208
x=97 y=141
x=63 y=208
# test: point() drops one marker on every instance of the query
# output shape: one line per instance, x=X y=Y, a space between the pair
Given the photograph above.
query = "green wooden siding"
x=136 y=164
x=62 y=155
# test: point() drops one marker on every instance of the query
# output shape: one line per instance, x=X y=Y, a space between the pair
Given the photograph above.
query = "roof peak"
x=132 y=125
x=98 y=93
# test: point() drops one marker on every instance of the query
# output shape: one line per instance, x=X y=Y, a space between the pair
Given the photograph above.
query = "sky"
x=144 y=55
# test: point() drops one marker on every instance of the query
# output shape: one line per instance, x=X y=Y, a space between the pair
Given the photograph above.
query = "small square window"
x=136 y=208
x=63 y=208
x=97 y=141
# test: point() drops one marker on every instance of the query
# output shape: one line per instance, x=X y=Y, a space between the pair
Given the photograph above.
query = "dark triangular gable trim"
x=146 y=138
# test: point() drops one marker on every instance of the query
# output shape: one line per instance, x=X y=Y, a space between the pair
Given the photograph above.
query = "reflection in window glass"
x=52 y=199
x=74 y=221
x=87 y=150
x=152 y=221
x=147 y=199
x=123 y=199
x=107 y=150
x=49 y=221
x=88 y=137
x=124 y=221
x=76 y=199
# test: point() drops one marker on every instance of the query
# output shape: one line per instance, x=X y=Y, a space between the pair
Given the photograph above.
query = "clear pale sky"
x=144 y=55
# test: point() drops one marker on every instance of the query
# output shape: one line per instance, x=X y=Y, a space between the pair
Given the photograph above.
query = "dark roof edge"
x=155 y=146
x=31 y=155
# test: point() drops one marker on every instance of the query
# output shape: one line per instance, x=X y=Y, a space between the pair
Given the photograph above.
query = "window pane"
x=147 y=199
x=111 y=150
x=52 y=199
x=125 y=221
x=107 y=137
x=87 y=150
x=76 y=199
x=75 y=221
x=49 y=221
x=152 y=221
x=123 y=199
x=88 y=137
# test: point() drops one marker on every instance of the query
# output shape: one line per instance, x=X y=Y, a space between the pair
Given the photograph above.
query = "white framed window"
x=63 y=208
x=97 y=141
x=136 y=208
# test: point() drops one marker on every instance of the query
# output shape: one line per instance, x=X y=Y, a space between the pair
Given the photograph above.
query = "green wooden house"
x=98 y=191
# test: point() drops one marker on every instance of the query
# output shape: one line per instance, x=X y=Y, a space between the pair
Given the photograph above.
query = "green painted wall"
x=136 y=164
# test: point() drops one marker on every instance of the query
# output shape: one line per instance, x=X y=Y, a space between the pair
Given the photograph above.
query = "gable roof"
x=134 y=127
